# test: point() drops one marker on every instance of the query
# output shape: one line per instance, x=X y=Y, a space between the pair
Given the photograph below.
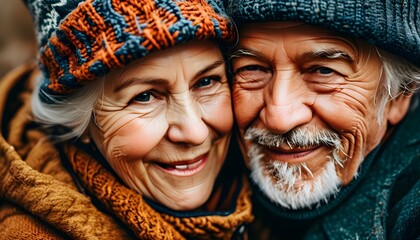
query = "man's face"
x=305 y=104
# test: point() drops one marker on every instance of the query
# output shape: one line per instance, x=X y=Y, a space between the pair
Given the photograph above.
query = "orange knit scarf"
x=144 y=221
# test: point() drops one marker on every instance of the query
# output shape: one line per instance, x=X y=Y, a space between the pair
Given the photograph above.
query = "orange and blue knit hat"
x=81 y=40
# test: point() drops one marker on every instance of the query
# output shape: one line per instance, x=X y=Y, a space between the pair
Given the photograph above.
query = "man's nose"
x=185 y=123
x=286 y=104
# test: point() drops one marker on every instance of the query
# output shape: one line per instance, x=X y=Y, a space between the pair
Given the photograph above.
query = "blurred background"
x=17 y=40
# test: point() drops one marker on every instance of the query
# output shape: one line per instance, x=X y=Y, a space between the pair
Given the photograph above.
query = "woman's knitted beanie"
x=81 y=40
x=393 y=25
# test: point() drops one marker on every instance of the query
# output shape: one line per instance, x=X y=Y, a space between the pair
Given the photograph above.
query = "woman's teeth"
x=181 y=167
x=188 y=166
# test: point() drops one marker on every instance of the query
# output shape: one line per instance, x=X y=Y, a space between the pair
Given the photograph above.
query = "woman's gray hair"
x=399 y=77
x=74 y=112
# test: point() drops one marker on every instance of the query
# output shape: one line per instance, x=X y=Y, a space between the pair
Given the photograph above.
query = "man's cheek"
x=247 y=106
x=244 y=147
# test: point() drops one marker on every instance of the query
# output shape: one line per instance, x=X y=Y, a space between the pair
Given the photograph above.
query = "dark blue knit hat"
x=393 y=25
x=81 y=40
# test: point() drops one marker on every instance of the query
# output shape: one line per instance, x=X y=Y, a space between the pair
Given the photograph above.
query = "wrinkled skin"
x=283 y=83
x=163 y=123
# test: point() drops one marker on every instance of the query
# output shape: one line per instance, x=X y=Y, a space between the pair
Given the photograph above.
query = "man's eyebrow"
x=320 y=54
x=244 y=52
x=158 y=81
x=328 y=54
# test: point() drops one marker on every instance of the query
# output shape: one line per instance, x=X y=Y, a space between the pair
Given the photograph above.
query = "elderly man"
x=324 y=97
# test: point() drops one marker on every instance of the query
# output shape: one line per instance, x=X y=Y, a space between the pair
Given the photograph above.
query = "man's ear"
x=398 y=108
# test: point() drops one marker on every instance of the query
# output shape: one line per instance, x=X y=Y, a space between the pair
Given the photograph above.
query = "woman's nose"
x=186 y=124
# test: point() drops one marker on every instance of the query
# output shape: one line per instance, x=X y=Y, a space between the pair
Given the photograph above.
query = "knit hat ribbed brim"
x=388 y=24
x=82 y=40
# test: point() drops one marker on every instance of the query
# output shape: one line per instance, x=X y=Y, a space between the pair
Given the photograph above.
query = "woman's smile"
x=184 y=168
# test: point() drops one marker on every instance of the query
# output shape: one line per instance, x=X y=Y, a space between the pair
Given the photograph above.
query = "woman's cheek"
x=137 y=138
x=218 y=114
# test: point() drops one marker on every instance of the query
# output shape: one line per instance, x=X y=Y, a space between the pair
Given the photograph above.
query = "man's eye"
x=143 y=97
x=253 y=76
x=323 y=70
x=252 y=68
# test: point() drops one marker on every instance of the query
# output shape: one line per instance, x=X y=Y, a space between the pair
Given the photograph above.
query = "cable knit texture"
x=82 y=40
x=141 y=218
x=388 y=24
x=38 y=195
x=33 y=179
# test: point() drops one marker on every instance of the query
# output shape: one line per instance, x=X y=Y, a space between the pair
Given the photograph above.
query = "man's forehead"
x=294 y=36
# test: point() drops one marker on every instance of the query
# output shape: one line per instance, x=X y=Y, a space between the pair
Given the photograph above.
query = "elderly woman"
x=129 y=126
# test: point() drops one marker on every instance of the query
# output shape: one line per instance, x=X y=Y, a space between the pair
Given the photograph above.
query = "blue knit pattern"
x=393 y=25
x=82 y=40
x=47 y=15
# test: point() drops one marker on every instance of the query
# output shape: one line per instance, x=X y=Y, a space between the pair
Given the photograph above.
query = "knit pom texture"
x=388 y=24
x=82 y=40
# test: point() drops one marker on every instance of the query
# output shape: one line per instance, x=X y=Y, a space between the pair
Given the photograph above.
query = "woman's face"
x=163 y=123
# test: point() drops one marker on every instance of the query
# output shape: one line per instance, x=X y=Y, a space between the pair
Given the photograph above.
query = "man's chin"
x=294 y=193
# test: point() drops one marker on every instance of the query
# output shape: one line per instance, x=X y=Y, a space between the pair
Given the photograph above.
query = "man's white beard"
x=276 y=179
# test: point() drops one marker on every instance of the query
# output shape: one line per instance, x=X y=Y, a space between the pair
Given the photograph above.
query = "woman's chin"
x=188 y=203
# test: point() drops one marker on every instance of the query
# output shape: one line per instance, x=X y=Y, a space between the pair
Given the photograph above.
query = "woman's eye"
x=143 y=97
x=203 y=82
x=207 y=81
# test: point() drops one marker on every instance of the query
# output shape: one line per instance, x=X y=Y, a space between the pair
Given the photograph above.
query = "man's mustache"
x=299 y=138
x=296 y=138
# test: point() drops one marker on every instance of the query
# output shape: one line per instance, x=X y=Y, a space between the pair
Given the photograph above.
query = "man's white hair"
x=399 y=76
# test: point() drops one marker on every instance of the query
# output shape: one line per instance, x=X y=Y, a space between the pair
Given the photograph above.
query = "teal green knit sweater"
x=382 y=203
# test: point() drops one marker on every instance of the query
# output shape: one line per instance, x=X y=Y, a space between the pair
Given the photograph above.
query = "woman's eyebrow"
x=145 y=80
x=157 y=81
x=209 y=68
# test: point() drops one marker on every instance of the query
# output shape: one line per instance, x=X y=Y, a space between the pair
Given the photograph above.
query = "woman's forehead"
x=196 y=55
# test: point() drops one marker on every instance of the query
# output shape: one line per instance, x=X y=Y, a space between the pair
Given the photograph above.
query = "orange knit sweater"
x=39 y=200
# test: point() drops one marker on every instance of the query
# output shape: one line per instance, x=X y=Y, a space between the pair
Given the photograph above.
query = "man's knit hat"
x=83 y=39
x=393 y=25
